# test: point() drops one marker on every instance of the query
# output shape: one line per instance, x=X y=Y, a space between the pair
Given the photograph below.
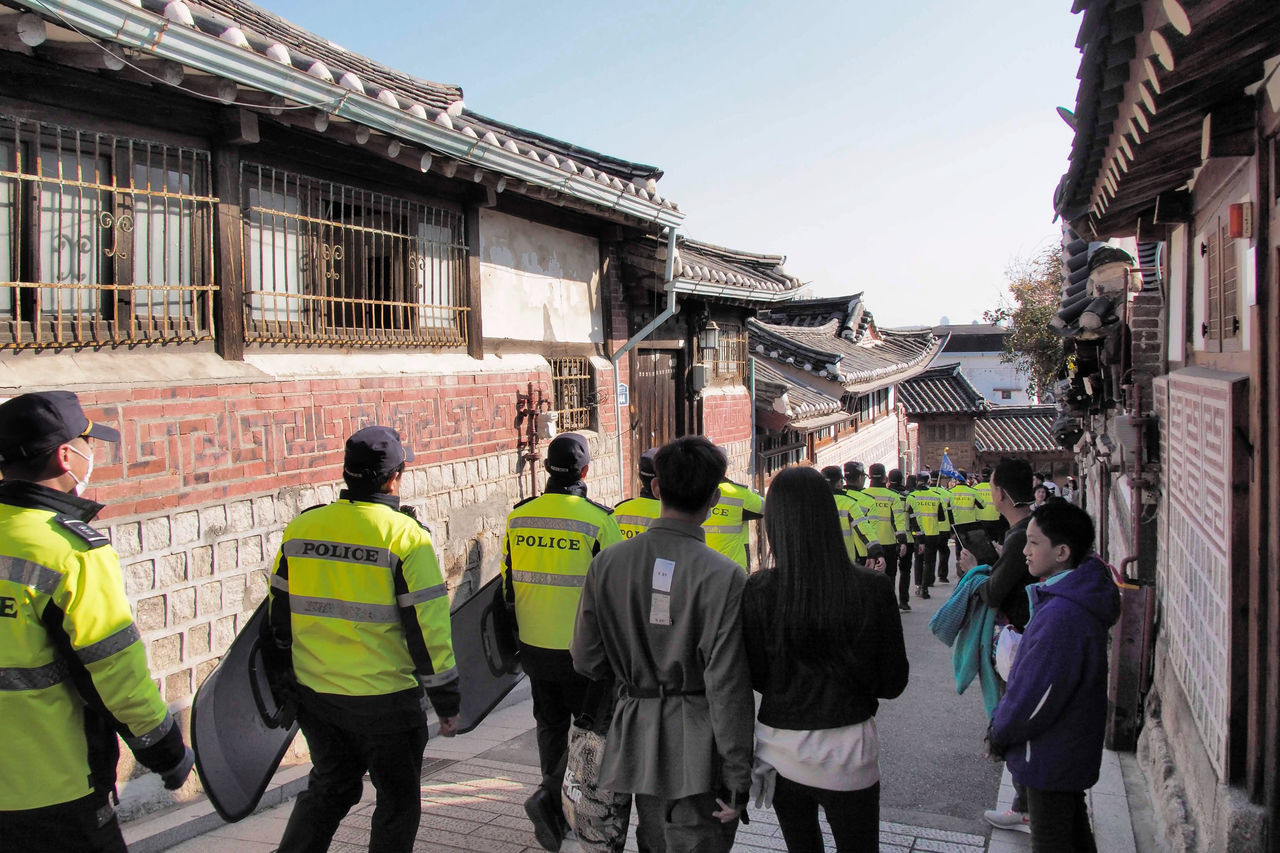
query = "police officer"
x=634 y=515
x=856 y=526
x=896 y=482
x=939 y=484
x=988 y=516
x=549 y=543
x=925 y=517
x=726 y=527
x=359 y=616
x=890 y=514
x=73 y=669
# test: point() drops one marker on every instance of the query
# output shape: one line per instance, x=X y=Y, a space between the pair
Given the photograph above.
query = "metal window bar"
x=104 y=240
x=731 y=354
x=571 y=383
x=327 y=263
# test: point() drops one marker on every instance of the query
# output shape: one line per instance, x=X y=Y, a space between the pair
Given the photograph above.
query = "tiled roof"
x=942 y=389
x=1016 y=429
x=286 y=67
x=862 y=365
x=794 y=397
x=1147 y=82
x=731 y=270
x=851 y=312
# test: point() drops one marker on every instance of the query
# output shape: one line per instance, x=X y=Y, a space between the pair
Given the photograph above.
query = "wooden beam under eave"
x=20 y=33
x=89 y=56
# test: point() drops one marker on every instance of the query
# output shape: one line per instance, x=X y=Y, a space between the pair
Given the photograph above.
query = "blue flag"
x=947 y=469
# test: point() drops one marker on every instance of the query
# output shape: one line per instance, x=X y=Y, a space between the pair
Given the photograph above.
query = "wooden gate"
x=655 y=395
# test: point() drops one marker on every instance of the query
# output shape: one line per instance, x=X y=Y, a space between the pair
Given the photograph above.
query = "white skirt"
x=843 y=759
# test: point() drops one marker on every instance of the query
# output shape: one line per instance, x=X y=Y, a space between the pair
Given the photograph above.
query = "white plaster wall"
x=876 y=443
x=1177 y=295
x=991 y=376
x=538 y=283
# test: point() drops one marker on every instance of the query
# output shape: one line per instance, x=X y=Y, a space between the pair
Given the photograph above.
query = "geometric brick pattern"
x=1194 y=565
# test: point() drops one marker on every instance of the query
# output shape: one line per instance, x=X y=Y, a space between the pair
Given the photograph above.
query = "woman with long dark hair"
x=824 y=641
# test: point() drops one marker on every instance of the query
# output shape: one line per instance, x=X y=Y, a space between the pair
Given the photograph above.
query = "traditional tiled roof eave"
x=941 y=389
x=1149 y=74
x=859 y=367
x=211 y=43
x=708 y=270
x=805 y=400
x=1016 y=429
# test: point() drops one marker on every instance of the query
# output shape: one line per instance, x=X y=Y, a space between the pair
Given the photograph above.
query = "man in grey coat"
x=661 y=614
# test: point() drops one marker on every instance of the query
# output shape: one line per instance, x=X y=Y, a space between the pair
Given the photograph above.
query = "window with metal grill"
x=574 y=391
x=731 y=354
x=104 y=240
x=330 y=263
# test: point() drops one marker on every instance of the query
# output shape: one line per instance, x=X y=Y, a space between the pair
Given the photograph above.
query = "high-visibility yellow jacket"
x=944 y=523
x=634 y=515
x=72 y=664
x=864 y=520
x=926 y=511
x=549 y=543
x=358 y=597
x=964 y=504
x=889 y=514
x=726 y=525
x=850 y=512
x=986 y=505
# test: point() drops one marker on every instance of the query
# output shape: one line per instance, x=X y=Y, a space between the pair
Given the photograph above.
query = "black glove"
x=409 y=511
x=991 y=749
x=176 y=775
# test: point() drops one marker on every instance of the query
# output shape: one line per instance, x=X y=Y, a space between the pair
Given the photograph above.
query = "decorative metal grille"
x=327 y=263
x=731 y=353
x=104 y=240
x=571 y=381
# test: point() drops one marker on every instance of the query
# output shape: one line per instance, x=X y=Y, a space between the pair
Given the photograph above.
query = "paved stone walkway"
x=473 y=793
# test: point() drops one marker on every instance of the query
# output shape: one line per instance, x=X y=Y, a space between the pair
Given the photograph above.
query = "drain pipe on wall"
x=669 y=312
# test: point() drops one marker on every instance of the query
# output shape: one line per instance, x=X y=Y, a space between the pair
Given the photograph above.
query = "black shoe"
x=924 y=593
x=904 y=607
x=548 y=826
x=943 y=580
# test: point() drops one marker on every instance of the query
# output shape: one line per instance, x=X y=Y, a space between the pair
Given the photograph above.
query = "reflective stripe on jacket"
x=358 y=594
x=926 y=511
x=726 y=525
x=890 y=515
x=944 y=523
x=635 y=515
x=68 y=646
x=548 y=545
x=986 y=505
x=964 y=504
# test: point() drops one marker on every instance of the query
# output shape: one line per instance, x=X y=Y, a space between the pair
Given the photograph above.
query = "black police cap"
x=37 y=423
x=852 y=468
x=374 y=451
x=568 y=454
x=647 y=466
x=876 y=470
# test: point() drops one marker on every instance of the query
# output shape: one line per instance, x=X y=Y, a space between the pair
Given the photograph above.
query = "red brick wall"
x=726 y=417
x=210 y=443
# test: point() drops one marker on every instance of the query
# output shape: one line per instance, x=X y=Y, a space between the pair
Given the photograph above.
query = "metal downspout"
x=669 y=312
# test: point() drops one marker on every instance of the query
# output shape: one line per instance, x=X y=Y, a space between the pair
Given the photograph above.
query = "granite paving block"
x=933 y=845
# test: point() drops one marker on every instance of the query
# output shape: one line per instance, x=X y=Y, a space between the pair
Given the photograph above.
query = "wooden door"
x=654 y=396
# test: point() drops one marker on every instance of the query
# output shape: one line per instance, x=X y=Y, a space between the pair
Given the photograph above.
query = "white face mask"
x=81 y=485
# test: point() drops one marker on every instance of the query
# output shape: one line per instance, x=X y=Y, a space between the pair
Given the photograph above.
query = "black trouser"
x=686 y=825
x=892 y=566
x=339 y=759
x=925 y=562
x=854 y=817
x=944 y=557
x=1059 y=822
x=88 y=824
x=556 y=703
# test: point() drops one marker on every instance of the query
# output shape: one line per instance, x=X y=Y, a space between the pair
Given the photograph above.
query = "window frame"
x=573 y=393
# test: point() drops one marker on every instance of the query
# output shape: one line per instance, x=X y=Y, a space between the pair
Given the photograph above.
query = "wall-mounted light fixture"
x=709 y=339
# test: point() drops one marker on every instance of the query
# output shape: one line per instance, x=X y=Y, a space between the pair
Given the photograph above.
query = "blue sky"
x=908 y=150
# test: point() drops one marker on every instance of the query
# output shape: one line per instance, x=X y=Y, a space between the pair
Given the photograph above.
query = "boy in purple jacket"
x=1051 y=720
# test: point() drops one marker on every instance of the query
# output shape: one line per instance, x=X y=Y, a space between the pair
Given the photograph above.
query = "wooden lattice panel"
x=1195 y=568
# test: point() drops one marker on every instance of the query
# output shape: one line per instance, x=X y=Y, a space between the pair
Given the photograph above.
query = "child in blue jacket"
x=1051 y=721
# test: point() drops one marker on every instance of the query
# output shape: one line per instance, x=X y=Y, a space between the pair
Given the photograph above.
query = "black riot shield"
x=485 y=651
x=239 y=732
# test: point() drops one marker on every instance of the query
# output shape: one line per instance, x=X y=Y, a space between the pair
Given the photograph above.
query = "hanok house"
x=240 y=243
x=944 y=405
x=690 y=370
x=825 y=378
x=1171 y=392
x=954 y=417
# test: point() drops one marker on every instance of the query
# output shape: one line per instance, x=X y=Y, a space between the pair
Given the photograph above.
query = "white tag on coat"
x=660 y=609
x=663 y=571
